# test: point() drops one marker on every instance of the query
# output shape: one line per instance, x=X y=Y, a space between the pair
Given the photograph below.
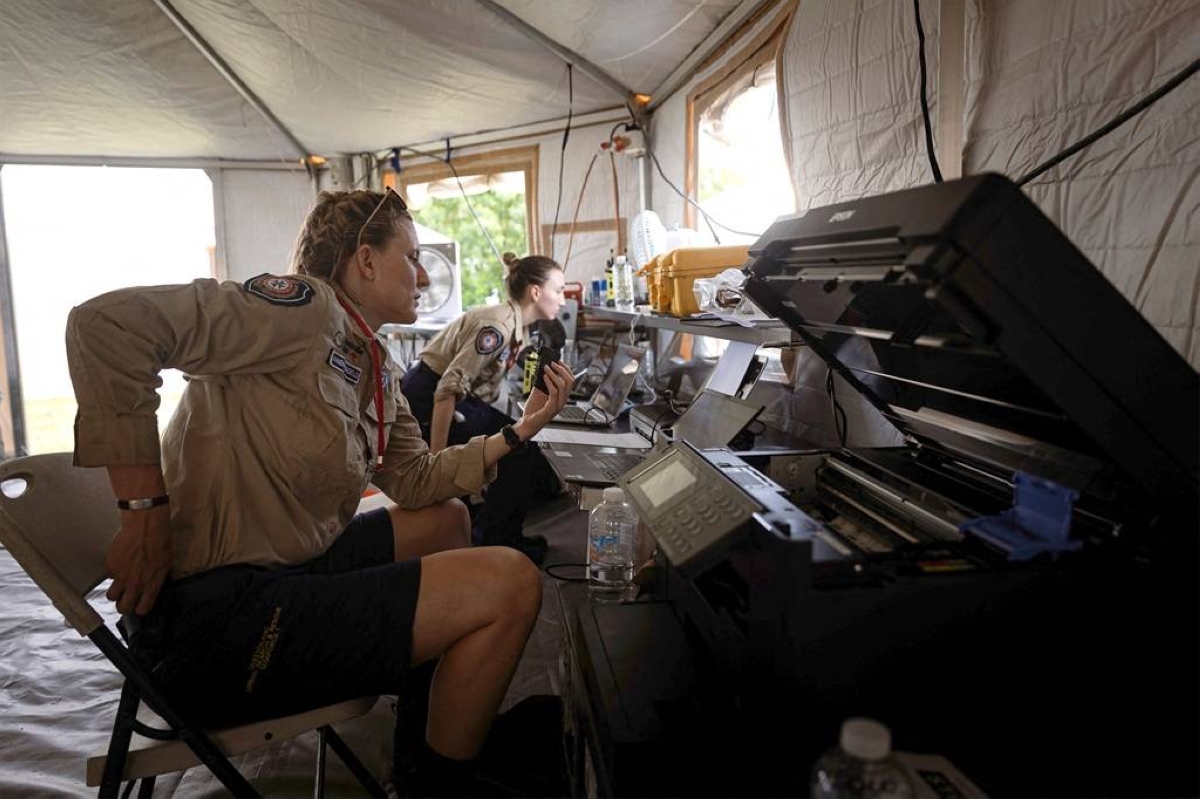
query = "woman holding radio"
x=460 y=371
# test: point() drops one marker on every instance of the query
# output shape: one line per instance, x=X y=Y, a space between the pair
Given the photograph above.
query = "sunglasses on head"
x=389 y=196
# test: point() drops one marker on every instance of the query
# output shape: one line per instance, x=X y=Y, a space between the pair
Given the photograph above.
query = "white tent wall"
x=1043 y=75
x=1039 y=76
x=258 y=213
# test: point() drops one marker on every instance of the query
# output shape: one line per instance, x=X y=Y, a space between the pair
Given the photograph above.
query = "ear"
x=364 y=262
x=535 y=293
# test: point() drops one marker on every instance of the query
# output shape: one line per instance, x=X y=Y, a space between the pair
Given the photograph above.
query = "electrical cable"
x=612 y=160
x=836 y=409
x=447 y=161
x=562 y=160
x=933 y=162
x=1115 y=122
x=575 y=217
x=708 y=219
x=550 y=567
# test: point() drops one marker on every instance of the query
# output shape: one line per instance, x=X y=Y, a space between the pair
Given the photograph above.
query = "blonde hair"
x=335 y=227
x=532 y=270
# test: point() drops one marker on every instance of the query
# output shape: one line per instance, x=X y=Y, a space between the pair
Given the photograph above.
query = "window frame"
x=516 y=159
x=762 y=49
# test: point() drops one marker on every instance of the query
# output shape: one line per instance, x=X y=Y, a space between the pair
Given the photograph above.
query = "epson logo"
x=842 y=216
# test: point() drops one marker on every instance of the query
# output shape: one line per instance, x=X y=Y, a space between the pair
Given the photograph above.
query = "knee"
x=455 y=523
x=522 y=584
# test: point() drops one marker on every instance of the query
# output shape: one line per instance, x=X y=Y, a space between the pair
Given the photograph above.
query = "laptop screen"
x=713 y=419
x=622 y=373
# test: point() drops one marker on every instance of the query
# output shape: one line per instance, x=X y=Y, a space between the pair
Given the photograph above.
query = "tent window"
x=76 y=232
x=736 y=164
x=502 y=191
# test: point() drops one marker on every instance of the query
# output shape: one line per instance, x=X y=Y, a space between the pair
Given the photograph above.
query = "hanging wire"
x=448 y=162
x=562 y=160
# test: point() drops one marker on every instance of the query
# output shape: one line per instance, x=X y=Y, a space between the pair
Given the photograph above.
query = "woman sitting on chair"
x=460 y=371
x=273 y=596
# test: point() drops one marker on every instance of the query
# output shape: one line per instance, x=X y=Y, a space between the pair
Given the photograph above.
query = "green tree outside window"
x=504 y=217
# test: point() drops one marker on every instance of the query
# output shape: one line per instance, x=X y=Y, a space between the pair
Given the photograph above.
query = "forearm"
x=496 y=447
x=137 y=482
x=439 y=425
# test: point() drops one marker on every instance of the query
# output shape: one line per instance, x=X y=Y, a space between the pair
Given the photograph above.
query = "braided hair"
x=334 y=228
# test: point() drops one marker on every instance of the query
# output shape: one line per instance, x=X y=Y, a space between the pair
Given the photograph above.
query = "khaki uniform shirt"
x=470 y=352
x=276 y=435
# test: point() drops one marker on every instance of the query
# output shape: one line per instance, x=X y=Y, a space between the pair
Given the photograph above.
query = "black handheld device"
x=545 y=357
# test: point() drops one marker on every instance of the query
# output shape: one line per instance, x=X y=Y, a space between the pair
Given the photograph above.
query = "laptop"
x=712 y=420
x=605 y=403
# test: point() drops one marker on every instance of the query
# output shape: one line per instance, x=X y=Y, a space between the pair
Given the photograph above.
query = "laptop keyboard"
x=613 y=466
x=577 y=414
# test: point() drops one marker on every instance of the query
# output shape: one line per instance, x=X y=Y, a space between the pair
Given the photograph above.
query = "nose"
x=422 y=277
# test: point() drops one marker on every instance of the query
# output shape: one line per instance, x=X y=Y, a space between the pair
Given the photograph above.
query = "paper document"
x=596 y=438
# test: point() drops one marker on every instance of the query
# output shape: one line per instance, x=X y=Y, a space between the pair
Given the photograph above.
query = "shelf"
x=760 y=333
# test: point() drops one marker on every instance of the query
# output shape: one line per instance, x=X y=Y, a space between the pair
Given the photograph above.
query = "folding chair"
x=57 y=521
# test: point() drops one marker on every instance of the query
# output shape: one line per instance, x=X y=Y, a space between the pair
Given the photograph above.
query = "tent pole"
x=228 y=74
x=566 y=54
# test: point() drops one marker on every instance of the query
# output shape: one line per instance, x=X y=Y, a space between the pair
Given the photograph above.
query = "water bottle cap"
x=866 y=739
x=614 y=494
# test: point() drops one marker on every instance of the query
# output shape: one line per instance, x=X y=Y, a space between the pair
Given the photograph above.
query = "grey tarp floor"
x=58 y=694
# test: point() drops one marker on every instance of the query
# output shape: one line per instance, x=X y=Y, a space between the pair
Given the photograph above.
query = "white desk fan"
x=442 y=300
x=647 y=238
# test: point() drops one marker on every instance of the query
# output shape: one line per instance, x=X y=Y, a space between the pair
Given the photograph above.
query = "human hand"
x=541 y=406
x=139 y=559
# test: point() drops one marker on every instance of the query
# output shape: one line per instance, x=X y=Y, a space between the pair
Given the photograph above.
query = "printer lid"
x=971 y=322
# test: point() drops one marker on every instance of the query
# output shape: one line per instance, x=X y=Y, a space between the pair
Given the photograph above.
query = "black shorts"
x=240 y=643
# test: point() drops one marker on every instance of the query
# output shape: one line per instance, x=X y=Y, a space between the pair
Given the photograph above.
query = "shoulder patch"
x=279 y=290
x=488 y=340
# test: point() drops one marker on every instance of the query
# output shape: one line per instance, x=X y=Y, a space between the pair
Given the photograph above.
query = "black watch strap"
x=510 y=436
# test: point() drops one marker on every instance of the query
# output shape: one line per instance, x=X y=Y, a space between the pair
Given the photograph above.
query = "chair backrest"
x=57 y=521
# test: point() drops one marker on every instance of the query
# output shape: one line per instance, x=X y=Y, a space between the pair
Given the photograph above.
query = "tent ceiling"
x=118 y=78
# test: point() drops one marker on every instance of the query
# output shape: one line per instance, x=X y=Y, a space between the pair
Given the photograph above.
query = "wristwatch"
x=511 y=438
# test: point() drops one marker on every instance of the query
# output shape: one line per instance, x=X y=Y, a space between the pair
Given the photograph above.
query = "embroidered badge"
x=488 y=341
x=280 y=290
x=349 y=371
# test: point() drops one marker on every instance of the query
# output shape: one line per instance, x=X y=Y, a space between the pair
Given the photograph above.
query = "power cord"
x=838 y=413
x=1115 y=122
x=550 y=567
x=448 y=162
x=562 y=161
x=933 y=162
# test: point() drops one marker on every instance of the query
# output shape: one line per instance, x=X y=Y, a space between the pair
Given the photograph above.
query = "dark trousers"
x=521 y=477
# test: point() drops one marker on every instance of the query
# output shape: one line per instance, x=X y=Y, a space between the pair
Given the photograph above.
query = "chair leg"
x=319 y=782
x=146 y=789
x=196 y=740
x=118 y=744
x=355 y=765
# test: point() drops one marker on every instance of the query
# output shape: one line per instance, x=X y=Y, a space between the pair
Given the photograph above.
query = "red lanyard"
x=377 y=371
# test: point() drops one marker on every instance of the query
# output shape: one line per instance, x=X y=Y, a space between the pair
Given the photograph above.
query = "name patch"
x=349 y=371
x=279 y=290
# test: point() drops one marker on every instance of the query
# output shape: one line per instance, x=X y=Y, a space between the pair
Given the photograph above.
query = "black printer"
x=1013 y=587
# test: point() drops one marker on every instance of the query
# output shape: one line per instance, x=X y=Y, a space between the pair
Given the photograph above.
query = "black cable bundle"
x=933 y=162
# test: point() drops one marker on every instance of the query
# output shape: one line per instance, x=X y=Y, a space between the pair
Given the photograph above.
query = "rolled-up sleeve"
x=481 y=345
x=118 y=343
x=412 y=477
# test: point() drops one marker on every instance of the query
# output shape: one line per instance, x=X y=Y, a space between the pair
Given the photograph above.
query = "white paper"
x=595 y=438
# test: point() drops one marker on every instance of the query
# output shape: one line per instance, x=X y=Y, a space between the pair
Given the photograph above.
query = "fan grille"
x=441 y=281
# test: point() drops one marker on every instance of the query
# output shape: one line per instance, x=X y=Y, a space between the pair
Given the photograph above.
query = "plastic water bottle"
x=612 y=533
x=861 y=766
x=623 y=284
